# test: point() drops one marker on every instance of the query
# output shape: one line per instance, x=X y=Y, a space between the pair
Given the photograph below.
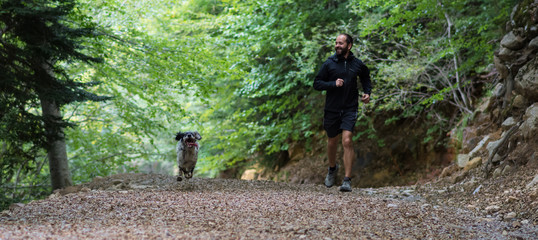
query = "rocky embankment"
x=496 y=171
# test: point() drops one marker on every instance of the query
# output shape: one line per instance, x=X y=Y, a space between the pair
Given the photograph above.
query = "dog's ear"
x=197 y=136
x=179 y=136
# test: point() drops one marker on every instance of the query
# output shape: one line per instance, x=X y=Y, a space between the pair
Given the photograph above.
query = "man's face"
x=341 y=47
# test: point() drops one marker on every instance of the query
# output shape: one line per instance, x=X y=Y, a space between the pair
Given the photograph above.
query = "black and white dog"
x=187 y=152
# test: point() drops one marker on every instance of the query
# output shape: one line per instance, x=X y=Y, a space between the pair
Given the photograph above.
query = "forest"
x=93 y=87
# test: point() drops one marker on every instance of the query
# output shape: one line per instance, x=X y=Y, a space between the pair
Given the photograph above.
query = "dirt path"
x=137 y=206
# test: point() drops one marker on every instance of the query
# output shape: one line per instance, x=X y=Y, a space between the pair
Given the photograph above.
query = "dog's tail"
x=179 y=136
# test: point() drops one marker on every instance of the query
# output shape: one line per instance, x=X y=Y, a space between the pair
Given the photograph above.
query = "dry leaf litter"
x=148 y=206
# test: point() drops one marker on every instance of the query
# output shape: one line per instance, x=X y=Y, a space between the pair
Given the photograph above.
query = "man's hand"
x=365 y=98
x=339 y=82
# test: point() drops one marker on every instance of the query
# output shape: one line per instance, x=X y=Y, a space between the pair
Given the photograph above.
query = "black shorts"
x=335 y=122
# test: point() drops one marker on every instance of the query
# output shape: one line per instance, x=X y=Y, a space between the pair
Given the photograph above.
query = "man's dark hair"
x=349 y=39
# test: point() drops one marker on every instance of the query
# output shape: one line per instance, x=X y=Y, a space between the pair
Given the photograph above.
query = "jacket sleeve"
x=321 y=82
x=364 y=76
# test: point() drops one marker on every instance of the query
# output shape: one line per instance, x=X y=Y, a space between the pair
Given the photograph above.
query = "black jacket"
x=345 y=98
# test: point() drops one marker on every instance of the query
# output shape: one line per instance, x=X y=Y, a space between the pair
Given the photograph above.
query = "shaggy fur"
x=187 y=152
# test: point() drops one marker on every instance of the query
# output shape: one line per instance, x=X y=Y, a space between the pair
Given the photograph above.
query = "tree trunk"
x=57 y=154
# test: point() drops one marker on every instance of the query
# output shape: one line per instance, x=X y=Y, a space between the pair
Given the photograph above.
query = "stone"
x=510 y=215
x=136 y=186
x=469 y=139
x=497 y=158
x=498 y=91
x=529 y=128
x=507 y=169
x=471 y=207
x=507 y=55
x=513 y=42
x=447 y=171
x=484 y=105
x=533 y=44
x=117 y=181
x=519 y=102
x=55 y=194
x=491 y=146
x=516 y=224
x=526 y=80
x=463 y=159
x=508 y=123
x=497 y=172
x=533 y=182
x=474 y=163
x=501 y=68
x=512 y=199
x=408 y=192
x=492 y=209
x=249 y=174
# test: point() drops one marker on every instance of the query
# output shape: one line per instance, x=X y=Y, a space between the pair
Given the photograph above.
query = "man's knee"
x=347 y=141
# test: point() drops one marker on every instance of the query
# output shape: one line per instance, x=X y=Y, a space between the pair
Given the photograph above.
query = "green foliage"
x=240 y=73
x=164 y=67
x=281 y=44
x=426 y=51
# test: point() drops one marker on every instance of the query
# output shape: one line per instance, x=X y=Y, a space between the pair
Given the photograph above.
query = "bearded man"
x=338 y=76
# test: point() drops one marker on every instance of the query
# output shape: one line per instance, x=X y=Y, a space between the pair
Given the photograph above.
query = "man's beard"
x=342 y=52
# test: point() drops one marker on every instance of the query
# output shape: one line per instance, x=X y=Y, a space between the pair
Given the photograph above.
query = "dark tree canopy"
x=38 y=39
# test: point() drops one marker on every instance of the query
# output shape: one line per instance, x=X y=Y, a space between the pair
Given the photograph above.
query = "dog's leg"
x=179 y=175
x=188 y=174
x=179 y=151
x=182 y=172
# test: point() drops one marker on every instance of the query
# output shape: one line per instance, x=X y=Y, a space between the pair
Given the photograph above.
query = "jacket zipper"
x=345 y=78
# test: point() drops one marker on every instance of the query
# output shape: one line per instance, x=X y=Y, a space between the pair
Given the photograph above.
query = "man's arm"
x=364 y=76
x=320 y=82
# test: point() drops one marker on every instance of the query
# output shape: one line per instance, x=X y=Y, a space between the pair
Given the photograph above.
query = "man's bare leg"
x=331 y=150
x=349 y=152
x=330 y=179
